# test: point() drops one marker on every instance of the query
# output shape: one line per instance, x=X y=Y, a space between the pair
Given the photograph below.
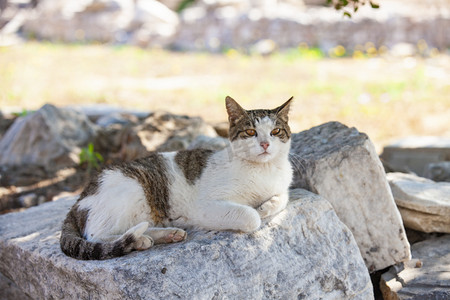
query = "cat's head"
x=259 y=135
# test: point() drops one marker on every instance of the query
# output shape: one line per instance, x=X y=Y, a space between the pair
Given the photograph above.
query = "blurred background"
x=384 y=70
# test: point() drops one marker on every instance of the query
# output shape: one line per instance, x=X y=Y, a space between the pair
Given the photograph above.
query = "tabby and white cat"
x=131 y=206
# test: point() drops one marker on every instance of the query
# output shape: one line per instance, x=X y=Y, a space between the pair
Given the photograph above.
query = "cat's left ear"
x=283 y=110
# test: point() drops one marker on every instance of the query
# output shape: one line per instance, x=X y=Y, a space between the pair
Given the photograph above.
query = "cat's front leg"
x=225 y=215
x=273 y=206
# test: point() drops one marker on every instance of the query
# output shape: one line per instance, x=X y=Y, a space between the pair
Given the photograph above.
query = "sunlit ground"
x=385 y=97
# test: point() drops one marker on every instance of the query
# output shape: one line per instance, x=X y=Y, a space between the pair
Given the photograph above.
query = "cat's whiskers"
x=298 y=162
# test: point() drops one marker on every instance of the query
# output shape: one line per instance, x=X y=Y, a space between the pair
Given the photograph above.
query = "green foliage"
x=184 y=4
x=91 y=157
x=354 y=4
x=23 y=113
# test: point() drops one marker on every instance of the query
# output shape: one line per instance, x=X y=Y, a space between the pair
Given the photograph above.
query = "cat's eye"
x=275 y=131
x=250 y=132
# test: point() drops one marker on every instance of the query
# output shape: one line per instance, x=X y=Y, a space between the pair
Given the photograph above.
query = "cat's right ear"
x=234 y=110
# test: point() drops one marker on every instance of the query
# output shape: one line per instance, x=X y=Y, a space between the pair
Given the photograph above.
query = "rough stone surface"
x=341 y=164
x=304 y=252
x=413 y=154
x=423 y=203
x=160 y=131
x=427 y=276
x=10 y=291
x=439 y=171
x=50 y=137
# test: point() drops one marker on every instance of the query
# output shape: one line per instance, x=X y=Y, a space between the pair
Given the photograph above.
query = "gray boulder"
x=423 y=203
x=304 y=252
x=50 y=137
x=341 y=165
x=427 y=276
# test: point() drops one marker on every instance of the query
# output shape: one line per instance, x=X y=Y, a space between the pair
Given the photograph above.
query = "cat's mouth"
x=264 y=153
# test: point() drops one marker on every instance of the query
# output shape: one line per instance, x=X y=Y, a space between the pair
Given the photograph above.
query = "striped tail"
x=74 y=245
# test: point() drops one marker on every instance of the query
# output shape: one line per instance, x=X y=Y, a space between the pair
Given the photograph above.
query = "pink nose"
x=265 y=145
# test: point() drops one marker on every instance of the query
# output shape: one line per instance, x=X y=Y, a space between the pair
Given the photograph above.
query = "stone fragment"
x=413 y=154
x=28 y=200
x=341 y=165
x=439 y=171
x=423 y=203
x=50 y=137
x=304 y=252
x=427 y=276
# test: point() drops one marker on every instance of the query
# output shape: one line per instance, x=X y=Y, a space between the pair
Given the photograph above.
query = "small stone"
x=423 y=203
x=28 y=200
x=439 y=171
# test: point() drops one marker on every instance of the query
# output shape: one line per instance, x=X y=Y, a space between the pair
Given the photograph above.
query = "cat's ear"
x=283 y=110
x=234 y=110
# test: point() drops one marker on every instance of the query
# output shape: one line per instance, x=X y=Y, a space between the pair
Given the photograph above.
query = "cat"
x=134 y=205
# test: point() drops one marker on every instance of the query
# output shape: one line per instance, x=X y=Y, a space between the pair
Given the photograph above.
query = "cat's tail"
x=74 y=245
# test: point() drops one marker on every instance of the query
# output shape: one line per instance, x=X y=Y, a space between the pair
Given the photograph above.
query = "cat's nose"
x=265 y=145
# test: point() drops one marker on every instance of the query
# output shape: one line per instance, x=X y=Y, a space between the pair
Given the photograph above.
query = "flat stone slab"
x=341 y=165
x=413 y=154
x=423 y=203
x=427 y=276
x=304 y=252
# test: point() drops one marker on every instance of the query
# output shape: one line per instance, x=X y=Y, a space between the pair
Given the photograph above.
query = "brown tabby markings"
x=74 y=245
x=192 y=163
x=151 y=174
x=248 y=119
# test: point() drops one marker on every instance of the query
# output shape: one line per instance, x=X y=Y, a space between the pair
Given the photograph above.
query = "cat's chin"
x=259 y=158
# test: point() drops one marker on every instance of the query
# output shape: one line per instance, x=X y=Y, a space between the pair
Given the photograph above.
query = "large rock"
x=414 y=154
x=304 y=252
x=423 y=203
x=341 y=164
x=426 y=277
x=50 y=137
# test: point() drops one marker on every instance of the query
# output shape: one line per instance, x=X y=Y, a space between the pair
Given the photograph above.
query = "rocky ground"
x=40 y=156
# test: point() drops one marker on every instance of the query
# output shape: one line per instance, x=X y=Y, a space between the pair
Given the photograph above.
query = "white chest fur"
x=242 y=181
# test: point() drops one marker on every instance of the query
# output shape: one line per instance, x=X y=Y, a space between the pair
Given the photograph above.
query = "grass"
x=384 y=97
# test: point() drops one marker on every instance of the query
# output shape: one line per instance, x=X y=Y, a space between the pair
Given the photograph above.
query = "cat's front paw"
x=177 y=235
x=272 y=206
x=251 y=222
